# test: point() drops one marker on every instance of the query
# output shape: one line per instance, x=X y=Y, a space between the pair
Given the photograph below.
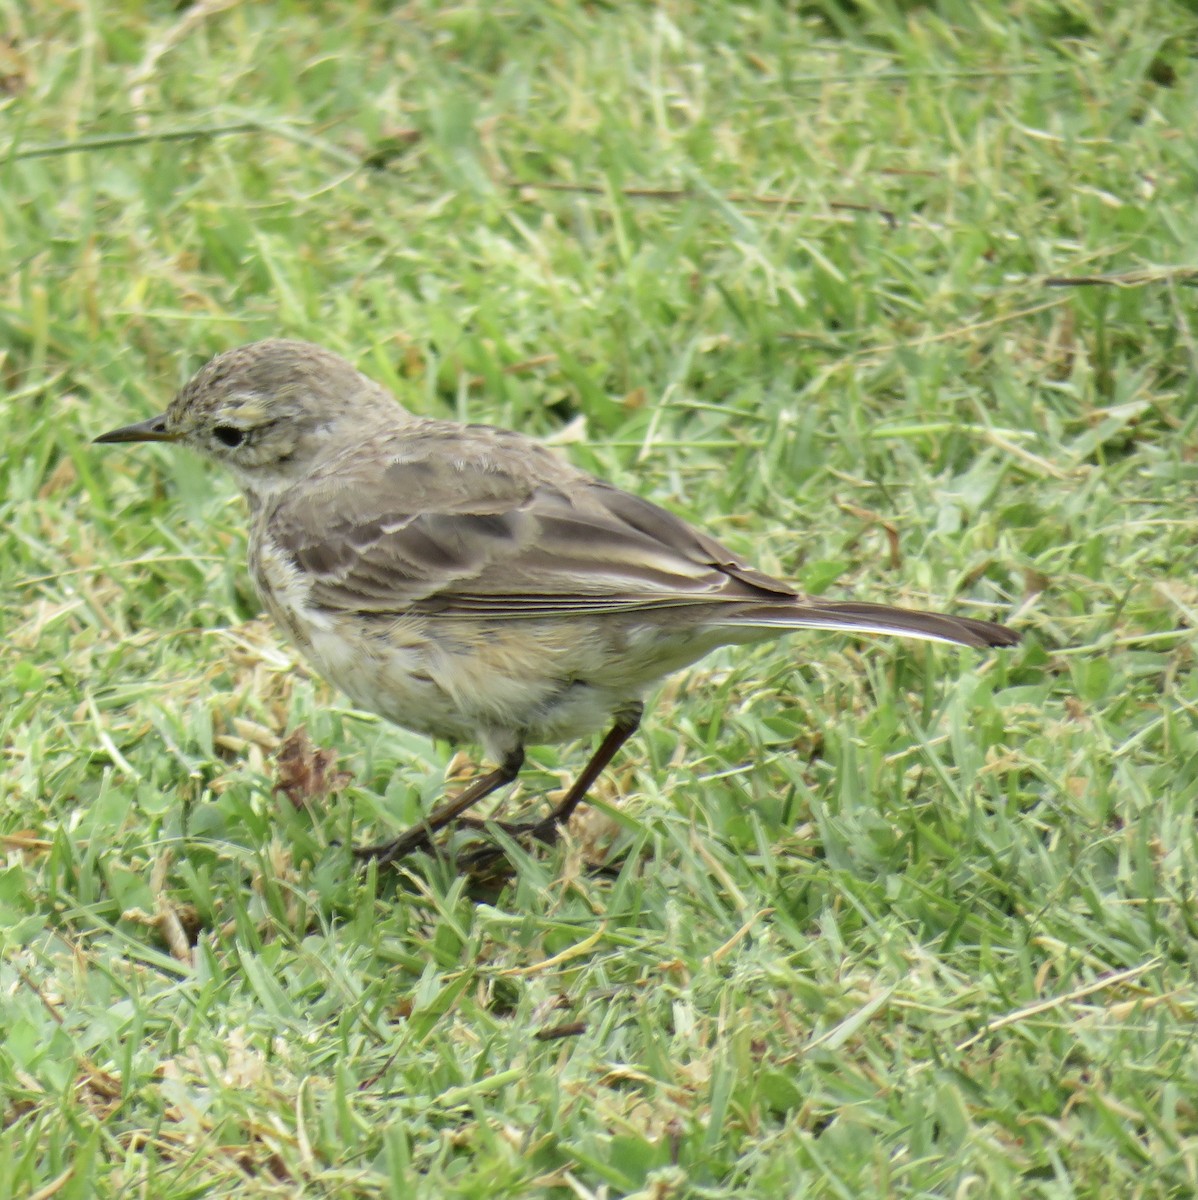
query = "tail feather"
x=875 y=618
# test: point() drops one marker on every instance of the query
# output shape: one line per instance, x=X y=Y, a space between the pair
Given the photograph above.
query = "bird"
x=465 y=582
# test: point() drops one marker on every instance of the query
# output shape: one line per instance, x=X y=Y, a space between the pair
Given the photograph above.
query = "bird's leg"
x=422 y=834
x=547 y=829
x=626 y=725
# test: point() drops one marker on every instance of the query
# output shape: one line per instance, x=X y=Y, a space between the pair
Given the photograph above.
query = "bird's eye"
x=229 y=435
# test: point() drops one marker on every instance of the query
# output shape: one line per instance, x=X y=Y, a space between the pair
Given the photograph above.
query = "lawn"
x=897 y=301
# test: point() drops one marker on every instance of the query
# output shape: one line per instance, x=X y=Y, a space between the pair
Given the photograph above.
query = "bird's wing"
x=475 y=527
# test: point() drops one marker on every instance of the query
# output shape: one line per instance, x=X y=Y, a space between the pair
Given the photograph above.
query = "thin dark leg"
x=422 y=834
x=547 y=829
x=626 y=725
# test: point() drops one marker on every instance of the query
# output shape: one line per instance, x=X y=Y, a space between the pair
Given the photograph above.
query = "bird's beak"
x=153 y=430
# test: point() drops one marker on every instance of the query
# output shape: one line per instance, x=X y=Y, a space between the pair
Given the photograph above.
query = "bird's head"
x=269 y=411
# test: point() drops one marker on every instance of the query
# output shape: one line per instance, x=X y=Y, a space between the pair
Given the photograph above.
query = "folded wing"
x=485 y=533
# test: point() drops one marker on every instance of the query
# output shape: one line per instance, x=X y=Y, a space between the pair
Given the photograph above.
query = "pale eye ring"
x=228 y=435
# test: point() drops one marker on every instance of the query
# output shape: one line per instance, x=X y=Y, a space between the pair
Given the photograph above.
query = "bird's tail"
x=871 y=618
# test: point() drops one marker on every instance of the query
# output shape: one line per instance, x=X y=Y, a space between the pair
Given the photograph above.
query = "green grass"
x=888 y=921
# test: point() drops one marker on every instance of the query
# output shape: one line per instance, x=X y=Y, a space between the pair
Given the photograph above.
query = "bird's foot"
x=385 y=853
x=546 y=831
x=420 y=838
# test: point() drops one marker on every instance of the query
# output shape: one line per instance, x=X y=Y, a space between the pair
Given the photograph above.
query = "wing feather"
x=523 y=534
x=484 y=523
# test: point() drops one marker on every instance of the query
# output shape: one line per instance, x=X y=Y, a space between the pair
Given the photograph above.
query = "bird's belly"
x=389 y=675
x=495 y=683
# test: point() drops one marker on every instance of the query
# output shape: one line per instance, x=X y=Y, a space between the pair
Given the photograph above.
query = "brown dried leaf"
x=304 y=771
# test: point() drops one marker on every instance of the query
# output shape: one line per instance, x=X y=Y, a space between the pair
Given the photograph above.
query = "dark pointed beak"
x=153 y=430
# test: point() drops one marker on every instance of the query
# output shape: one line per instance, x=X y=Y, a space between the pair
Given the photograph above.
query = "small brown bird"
x=465 y=582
